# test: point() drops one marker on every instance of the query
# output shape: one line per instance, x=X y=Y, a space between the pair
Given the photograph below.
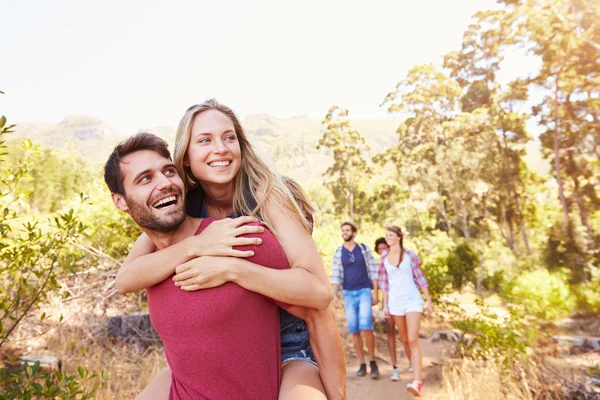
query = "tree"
x=32 y=256
x=349 y=168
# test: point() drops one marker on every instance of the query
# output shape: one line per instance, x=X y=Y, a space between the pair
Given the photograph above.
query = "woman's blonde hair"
x=255 y=181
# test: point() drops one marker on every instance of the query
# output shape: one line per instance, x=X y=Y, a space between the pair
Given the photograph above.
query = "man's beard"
x=145 y=218
x=348 y=238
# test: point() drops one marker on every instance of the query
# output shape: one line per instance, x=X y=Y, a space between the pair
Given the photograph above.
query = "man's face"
x=154 y=192
x=347 y=233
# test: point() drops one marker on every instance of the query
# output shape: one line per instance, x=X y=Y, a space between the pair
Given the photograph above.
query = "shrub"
x=461 y=265
x=490 y=335
x=545 y=295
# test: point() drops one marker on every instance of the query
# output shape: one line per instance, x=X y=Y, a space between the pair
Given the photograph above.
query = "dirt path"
x=365 y=388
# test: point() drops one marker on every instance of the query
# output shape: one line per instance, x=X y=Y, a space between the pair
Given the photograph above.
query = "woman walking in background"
x=381 y=248
x=400 y=278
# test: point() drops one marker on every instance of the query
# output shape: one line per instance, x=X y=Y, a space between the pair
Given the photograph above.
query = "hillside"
x=290 y=143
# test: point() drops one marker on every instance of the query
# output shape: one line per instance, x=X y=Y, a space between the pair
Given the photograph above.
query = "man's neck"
x=219 y=200
x=166 y=239
x=350 y=245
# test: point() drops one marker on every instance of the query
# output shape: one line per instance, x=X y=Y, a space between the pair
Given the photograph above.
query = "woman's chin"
x=217 y=180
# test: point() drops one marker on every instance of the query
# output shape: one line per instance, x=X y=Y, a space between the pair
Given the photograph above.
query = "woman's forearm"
x=326 y=343
x=150 y=269
x=294 y=286
x=426 y=292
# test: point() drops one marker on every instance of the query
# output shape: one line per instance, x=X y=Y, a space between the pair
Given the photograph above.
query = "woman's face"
x=391 y=238
x=214 y=154
x=381 y=247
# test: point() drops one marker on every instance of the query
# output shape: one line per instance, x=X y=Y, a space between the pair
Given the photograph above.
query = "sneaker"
x=410 y=368
x=415 y=388
x=374 y=370
x=395 y=374
x=362 y=371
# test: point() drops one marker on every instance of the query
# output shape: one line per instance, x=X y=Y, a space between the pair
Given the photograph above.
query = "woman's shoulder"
x=414 y=257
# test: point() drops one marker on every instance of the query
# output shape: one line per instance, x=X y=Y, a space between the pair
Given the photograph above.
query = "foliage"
x=349 y=165
x=107 y=229
x=32 y=258
x=31 y=382
x=544 y=295
x=461 y=265
x=51 y=177
x=488 y=335
x=433 y=250
x=566 y=247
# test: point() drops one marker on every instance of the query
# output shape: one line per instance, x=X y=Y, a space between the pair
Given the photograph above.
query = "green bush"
x=543 y=294
x=487 y=335
x=33 y=256
x=31 y=382
x=433 y=249
x=462 y=263
x=588 y=294
x=108 y=230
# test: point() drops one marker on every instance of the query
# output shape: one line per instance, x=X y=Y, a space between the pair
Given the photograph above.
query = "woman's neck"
x=218 y=200
x=395 y=248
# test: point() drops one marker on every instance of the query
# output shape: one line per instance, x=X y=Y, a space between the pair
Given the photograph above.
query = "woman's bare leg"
x=413 y=323
x=391 y=339
x=159 y=388
x=300 y=380
x=402 y=328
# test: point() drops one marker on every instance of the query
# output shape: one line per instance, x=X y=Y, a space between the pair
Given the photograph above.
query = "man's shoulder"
x=364 y=247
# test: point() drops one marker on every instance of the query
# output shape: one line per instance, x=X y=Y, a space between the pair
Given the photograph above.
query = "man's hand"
x=203 y=273
x=219 y=238
x=375 y=298
x=336 y=300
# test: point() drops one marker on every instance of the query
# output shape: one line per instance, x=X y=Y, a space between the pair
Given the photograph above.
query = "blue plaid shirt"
x=337 y=269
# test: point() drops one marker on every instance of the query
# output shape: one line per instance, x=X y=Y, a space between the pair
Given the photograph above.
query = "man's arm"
x=336 y=295
x=326 y=343
x=373 y=270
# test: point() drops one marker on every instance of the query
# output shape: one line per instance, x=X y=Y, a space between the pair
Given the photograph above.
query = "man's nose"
x=163 y=182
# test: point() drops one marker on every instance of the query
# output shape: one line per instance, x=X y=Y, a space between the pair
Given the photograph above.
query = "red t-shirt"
x=221 y=343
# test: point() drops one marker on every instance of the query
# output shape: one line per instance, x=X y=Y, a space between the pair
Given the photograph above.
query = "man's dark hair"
x=378 y=242
x=351 y=225
x=138 y=142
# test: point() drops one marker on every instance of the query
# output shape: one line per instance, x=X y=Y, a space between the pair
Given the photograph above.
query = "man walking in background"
x=354 y=269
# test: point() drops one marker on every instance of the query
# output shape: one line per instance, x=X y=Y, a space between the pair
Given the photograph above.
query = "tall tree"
x=349 y=169
x=475 y=67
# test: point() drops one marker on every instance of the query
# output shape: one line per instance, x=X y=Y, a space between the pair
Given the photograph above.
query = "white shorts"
x=401 y=308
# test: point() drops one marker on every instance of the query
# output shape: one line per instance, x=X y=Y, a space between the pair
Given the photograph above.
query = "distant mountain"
x=289 y=143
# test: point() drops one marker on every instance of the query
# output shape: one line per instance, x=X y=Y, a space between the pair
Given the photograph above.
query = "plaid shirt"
x=417 y=272
x=337 y=269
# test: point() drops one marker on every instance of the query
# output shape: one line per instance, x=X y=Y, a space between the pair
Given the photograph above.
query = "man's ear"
x=119 y=202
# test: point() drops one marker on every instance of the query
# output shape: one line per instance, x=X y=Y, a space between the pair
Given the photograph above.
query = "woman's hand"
x=386 y=311
x=429 y=308
x=219 y=238
x=204 y=272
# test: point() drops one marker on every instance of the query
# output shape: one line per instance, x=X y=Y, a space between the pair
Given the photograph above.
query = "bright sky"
x=139 y=64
